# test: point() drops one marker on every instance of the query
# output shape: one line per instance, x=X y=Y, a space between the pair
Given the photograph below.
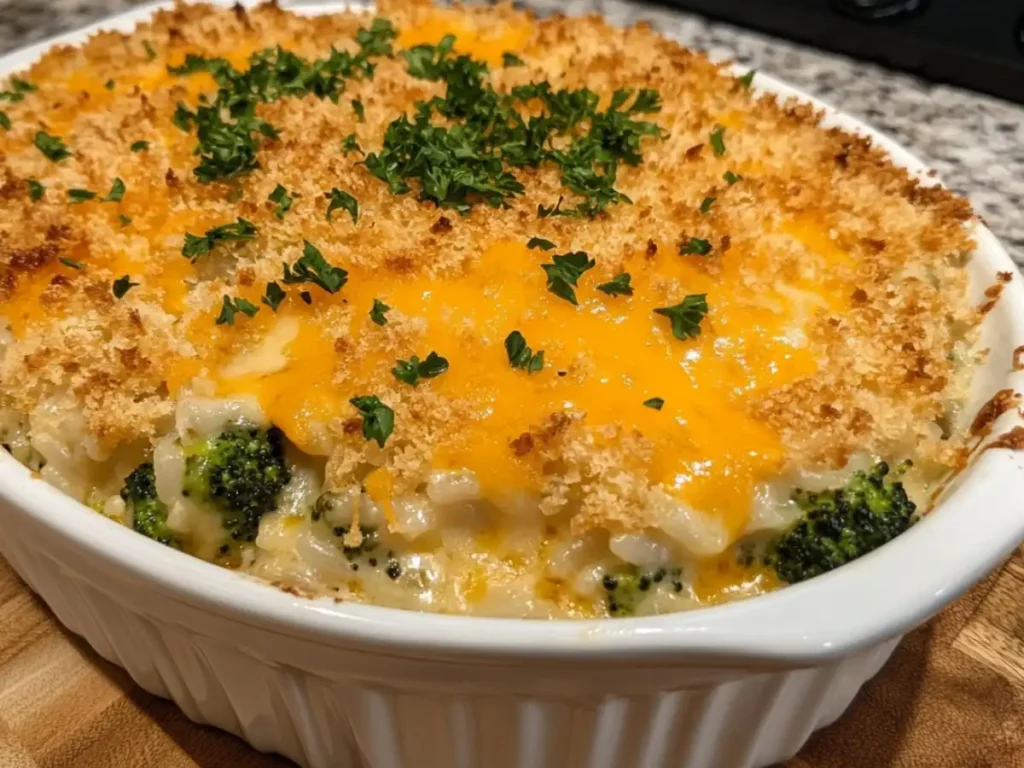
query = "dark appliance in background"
x=977 y=44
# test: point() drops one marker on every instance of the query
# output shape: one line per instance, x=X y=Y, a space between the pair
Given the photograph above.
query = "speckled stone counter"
x=975 y=142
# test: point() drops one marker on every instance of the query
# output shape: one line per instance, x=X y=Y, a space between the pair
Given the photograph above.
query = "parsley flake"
x=17 y=88
x=731 y=178
x=718 y=140
x=116 y=193
x=122 y=285
x=540 y=242
x=109 y=85
x=228 y=132
x=379 y=311
x=412 y=370
x=36 y=190
x=200 y=245
x=80 y=195
x=509 y=59
x=706 y=203
x=71 y=263
x=306 y=296
x=520 y=355
x=694 y=246
x=51 y=146
x=565 y=271
x=231 y=307
x=617 y=286
x=657 y=403
x=150 y=53
x=686 y=316
x=313 y=268
x=349 y=144
x=378 y=419
x=359 y=109
x=182 y=117
x=282 y=198
x=273 y=296
x=747 y=80
x=343 y=200
x=125 y=220
x=139 y=146
x=5 y=121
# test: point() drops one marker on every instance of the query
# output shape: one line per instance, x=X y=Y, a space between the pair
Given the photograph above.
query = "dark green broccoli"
x=627 y=587
x=841 y=524
x=241 y=473
x=149 y=514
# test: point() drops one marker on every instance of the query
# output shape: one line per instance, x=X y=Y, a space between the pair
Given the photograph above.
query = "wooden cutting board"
x=953 y=695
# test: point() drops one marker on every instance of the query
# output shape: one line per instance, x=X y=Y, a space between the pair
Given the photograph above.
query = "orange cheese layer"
x=604 y=358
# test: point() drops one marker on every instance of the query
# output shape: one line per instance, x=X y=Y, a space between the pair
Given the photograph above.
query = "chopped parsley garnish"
x=520 y=355
x=313 y=268
x=122 y=285
x=76 y=195
x=459 y=149
x=731 y=178
x=273 y=296
x=36 y=190
x=706 y=203
x=109 y=85
x=17 y=90
x=200 y=245
x=617 y=286
x=194 y=63
x=182 y=117
x=655 y=402
x=116 y=193
x=231 y=307
x=5 y=121
x=150 y=53
x=412 y=370
x=70 y=263
x=565 y=271
x=306 y=296
x=343 y=200
x=51 y=146
x=511 y=60
x=139 y=146
x=378 y=419
x=125 y=220
x=282 y=198
x=229 y=133
x=540 y=242
x=694 y=246
x=686 y=316
x=359 y=109
x=379 y=311
x=349 y=144
x=718 y=140
x=748 y=79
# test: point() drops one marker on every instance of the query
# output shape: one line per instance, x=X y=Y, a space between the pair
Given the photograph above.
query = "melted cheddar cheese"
x=833 y=303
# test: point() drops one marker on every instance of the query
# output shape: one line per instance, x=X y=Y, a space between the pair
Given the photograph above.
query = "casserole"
x=364 y=667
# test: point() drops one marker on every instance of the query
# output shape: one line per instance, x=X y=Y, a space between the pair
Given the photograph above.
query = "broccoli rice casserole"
x=461 y=310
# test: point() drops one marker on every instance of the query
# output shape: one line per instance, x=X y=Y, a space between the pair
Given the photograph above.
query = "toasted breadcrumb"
x=884 y=375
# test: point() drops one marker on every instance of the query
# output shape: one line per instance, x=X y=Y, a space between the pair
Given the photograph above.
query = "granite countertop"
x=975 y=142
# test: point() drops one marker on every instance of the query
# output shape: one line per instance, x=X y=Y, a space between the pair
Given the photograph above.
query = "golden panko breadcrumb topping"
x=834 y=283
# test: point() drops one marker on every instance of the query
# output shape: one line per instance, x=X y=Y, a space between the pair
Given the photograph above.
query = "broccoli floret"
x=627 y=587
x=149 y=514
x=841 y=524
x=241 y=473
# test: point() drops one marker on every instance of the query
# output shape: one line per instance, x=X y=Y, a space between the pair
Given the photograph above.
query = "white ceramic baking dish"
x=338 y=685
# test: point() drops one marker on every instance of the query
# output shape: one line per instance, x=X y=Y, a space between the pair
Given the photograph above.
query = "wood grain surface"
x=952 y=696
